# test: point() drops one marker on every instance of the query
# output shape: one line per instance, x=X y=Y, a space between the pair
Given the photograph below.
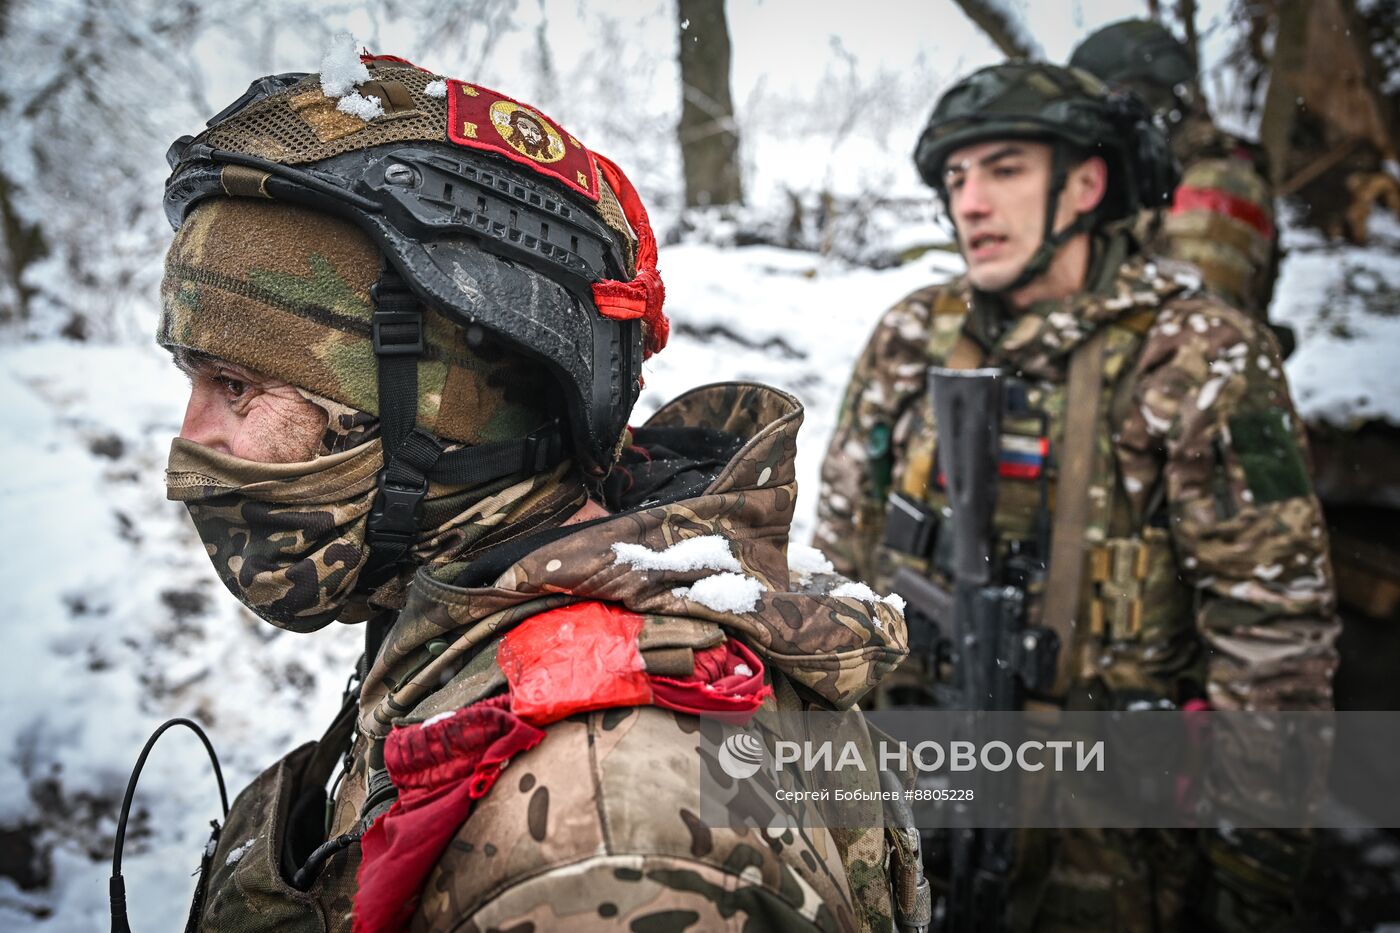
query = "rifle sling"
x=1076 y=471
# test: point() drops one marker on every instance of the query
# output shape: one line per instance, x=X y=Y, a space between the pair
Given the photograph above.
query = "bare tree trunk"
x=709 y=137
x=1186 y=12
x=1009 y=35
x=1281 y=100
x=21 y=245
x=1154 y=10
x=1375 y=79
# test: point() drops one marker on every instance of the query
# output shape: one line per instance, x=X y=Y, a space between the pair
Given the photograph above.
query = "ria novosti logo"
x=741 y=755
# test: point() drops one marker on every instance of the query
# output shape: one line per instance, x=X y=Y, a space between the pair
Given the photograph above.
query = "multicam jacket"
x=596 y=826
x=1207 y=567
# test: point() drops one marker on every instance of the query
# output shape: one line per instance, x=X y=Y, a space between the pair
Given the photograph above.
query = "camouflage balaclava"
x=286 y=291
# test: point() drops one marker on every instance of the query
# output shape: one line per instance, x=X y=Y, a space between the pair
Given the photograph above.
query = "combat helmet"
x=1141 y=55
x=486 y=212
x=1076 y=113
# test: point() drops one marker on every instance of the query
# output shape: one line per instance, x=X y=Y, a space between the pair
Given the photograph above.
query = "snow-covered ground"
x=113 y=622
x=1343 y=302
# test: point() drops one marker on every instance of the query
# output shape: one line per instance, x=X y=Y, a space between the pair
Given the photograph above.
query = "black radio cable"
x=116 y=886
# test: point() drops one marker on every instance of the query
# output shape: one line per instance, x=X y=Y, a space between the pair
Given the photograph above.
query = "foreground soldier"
x=1221 y=219
x=1150 y=456
x=414 y=334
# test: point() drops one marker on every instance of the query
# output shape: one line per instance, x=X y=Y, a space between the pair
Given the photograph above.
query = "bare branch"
x=1002 y=28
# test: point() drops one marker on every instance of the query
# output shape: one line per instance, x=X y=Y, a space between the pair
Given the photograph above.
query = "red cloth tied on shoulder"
x=585 y=656
x=573 y=659
x=727 y=684
x=440 y=769
x=644 y=295
x=1215 y=201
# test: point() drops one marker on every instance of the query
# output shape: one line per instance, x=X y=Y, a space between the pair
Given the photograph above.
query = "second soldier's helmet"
x=1141 y=55
x=1048 y=103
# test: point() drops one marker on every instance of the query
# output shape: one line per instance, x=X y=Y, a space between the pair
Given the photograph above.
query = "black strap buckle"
x=397 y=333
x=542 y=448
x=394 y=516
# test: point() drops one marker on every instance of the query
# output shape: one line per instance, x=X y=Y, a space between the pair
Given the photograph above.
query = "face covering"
x=288 y=539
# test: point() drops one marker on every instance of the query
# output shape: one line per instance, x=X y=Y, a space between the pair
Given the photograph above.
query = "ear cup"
x=1152 y=168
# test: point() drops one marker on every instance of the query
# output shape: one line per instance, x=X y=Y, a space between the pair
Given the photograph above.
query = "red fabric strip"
x=368 y=58
x=1222 y=202
x=644 y=296
x=440 y=770
x=573 y=659
x=727 y=685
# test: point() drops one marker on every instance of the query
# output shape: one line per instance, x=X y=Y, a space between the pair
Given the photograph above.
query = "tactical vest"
x=1134 y=634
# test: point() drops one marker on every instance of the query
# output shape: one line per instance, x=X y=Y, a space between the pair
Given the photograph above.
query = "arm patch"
x=1268 y=452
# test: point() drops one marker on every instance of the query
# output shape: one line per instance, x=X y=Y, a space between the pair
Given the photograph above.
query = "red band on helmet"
x=646 y=293
x=1216 y=201
x=481 y=118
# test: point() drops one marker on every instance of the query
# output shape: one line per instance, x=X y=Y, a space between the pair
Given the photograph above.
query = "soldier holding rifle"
x=1152 y=533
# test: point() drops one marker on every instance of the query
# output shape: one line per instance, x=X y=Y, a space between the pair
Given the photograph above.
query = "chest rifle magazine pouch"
x=911 y=527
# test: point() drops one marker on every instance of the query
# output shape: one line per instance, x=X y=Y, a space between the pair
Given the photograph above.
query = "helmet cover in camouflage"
x=1040 y=101
x=1139 y=54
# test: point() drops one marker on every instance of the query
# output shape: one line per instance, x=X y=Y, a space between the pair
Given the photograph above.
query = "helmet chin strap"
x=1050 y=240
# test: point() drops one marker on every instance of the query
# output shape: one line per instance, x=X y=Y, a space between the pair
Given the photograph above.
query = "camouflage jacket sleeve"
x=856 y=474
x=1210 y=415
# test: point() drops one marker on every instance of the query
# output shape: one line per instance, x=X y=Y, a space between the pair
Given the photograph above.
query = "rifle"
x=978 y=632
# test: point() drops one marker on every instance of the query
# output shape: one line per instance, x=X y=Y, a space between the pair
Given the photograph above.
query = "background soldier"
x=1221 y=219
x=1148 y=428
x=412 y=358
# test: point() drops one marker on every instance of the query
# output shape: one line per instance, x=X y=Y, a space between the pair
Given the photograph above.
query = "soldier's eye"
x=233 y=386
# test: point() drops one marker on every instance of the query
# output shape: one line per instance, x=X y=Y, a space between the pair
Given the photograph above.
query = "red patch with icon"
x=481 y=118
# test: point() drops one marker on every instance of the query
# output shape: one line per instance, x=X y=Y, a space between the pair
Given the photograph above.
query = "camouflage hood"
x=440 y=654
